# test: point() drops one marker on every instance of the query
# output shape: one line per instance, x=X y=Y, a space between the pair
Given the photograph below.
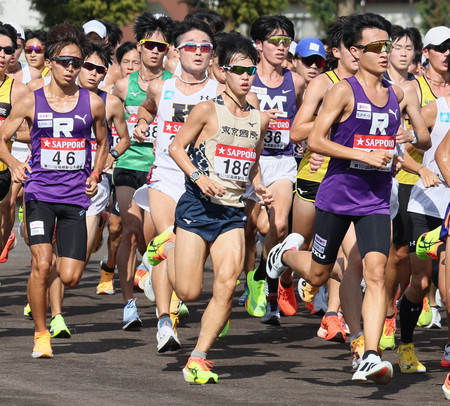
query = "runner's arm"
x=148 y=109
x=442 y=156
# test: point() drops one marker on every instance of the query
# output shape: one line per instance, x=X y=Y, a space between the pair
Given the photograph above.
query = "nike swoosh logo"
x=286 y=91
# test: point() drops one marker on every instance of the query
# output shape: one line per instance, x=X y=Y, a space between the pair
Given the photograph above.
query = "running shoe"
x=256 y=301
x=147 y=282
x=158 y=247
x=286 y=299
x=198 y=370
x=357 y=351
x=331 y=329
x=225 y=330
x=98 y=242
x=178 y=307
x=275 y=266
x=343 y=323
x=243 y=298
x=445 y=362
x=435 y=319
x=428 y=243
x=10 y=245
x=426 y=315
x=408 y=361
x=387 y=340
x=374 y=369
x=58 y=328
x=438 y=299
x=131 y=318
x=320 y=303
x=446 y=387
x=272 y=315
x=106 y=284
x=306 y=291
x=139 y=275
x=167 y=339
x=42 y=347
x=27 y=311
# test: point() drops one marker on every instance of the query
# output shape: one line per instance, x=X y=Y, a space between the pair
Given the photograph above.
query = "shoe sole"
x=272 y=321
x=383 y=373
x=170 y=345
x=61 y=334
x=190 y=379
x=105 y=292
x=132 y=325
x=40 y=355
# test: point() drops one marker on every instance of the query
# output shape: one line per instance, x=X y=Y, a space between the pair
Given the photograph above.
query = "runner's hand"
x=429 y=179
x=263 y=194
x=18 y=172
x=378 y=158
x=403 y=136
x=315 y=162
x=273 y=115
x=92 y=187
x=209 y=187
x=140 y=132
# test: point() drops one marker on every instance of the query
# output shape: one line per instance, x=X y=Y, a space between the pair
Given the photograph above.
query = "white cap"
x=292 y=47
x=95 y=26
x=436 y=36
x=18 y=28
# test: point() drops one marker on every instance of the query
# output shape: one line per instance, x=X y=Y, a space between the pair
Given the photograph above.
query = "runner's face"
x=130 y=63
x=346 y=59
x=16 y=54
x=239 y=84
x=152 y=58
x=194 y=62
x=375 y=63
x=5 y=59
x=90 y=79
x=34 y=59
x=66 y=75
x=307 y=72
x=274 y=54
x=402 y=53
x=438 y=60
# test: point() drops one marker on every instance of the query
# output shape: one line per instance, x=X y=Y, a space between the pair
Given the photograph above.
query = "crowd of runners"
x=327 y=156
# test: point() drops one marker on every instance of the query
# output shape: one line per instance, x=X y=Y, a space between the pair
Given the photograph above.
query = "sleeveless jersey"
x=139 y=156
x=102 y=94
x=44 y=72
x=61 y=152
x=433 y=201
x=173 y=110
x=5 y=107
x=352 y=187
x=277 y=140
x=228 y=156
x=304 y=169
x=426 y=97
x=26 y=74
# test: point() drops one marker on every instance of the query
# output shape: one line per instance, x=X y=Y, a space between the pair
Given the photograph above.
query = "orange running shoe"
x=42 y=347
x=140 y=274
x=446 y=387
x=331 y=329
x=10 y=244
x=287 y=300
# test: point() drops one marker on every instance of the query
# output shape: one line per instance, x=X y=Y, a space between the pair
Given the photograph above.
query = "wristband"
x=98 y=177
x=420 y=167
x=142 y=118
x=416 y=138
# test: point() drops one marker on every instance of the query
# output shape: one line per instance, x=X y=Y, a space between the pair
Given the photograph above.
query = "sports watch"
x=114 y=153
x=194 y=176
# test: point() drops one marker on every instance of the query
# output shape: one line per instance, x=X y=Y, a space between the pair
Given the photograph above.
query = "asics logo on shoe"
x=194 y=372
x=83 y=119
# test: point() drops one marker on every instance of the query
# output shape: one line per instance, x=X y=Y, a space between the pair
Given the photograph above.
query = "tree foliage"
x=79 y=11
x=433 y=12
x=324 y=11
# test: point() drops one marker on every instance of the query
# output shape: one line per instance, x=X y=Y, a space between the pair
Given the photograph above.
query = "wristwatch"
x=114 y=153
x=194 y=176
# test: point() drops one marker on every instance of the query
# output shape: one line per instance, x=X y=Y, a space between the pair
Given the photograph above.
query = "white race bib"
x=151 y=132
x=63 y=154
x=277 y=136
x=233 y=163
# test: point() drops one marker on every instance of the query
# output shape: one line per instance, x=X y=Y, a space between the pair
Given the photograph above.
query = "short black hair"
x=264 y=25
x=356 y=23
x=146 y=24
x=334 y=40
x=412 y=33
x=113 y=33
x=9 y=31
x=65 y=34
x=104 y=51
x=41 y=35
x=124 y=48
x=190 y=25
x=210 y=17
x=232 y=44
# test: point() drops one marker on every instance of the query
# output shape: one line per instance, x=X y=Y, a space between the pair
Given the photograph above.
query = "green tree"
x=326 y=11
x=79 y=11
x=433 y=12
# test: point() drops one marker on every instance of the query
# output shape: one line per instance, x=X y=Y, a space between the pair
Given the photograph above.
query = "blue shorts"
x=206 y=219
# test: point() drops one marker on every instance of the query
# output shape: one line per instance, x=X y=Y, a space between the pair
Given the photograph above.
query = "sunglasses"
x=377 y=47
x=240 y=70
x=8 y=50
x=205 y=47
x=151 y=44
x=66 y=61
x=278 y=39
x=101 y=69
x=442 y=49
x=311 y=60
x=36 y=48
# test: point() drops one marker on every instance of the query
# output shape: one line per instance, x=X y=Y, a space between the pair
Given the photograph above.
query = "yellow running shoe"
x=428 y=243
x=158 y=247
x=408 y=361
x=42 y=347
x=106 y=284
x=198 y=370
x=387 y=340
x=426 y=315
x=306 y=291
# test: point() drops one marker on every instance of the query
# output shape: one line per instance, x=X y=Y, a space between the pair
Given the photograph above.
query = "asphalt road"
x=257 y=365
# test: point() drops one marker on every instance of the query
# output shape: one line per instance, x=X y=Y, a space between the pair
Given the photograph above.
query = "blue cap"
x=310 y=46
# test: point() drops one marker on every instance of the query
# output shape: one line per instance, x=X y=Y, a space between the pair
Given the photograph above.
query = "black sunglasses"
x=101 y=69
x=442 y=49
x=151 y=44
x=8 y=50
x=311 y=60
x=66 y=61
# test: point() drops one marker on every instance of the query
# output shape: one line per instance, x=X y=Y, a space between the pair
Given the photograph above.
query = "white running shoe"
x=272 y=315
x=275 y=266
x=167 y=339
x=147 y=282
x=435 y=319
x=373 y=369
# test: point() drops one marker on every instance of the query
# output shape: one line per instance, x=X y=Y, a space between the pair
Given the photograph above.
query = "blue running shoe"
x=131 y=318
